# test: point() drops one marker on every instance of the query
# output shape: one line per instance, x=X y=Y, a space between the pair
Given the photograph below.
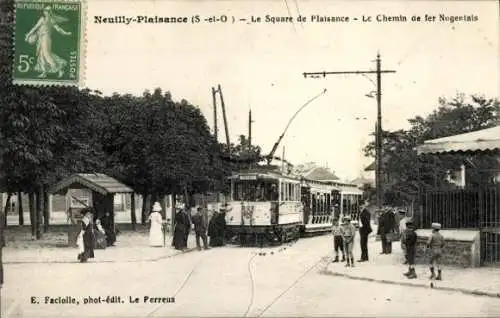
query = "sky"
x=260 y=66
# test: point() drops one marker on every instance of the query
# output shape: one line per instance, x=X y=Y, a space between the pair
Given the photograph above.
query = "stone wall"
x=462 y=248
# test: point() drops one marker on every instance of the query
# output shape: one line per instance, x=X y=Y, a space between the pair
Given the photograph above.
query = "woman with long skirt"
x=180 y=231
x=86 y=239
x=155 y=231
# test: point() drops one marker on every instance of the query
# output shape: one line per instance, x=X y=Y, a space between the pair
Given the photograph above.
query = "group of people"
x=344 y=233
x=211 y=233
x=92 y=235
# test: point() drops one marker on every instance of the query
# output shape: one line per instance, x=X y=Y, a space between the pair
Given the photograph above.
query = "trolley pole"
x=378 y=136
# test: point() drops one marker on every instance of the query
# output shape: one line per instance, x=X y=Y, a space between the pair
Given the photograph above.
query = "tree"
x=405 y=172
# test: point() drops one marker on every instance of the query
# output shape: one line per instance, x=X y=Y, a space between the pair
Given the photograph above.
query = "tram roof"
x=270 y=174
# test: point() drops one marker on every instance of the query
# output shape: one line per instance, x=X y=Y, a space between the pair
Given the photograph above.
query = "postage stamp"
x=49 y=42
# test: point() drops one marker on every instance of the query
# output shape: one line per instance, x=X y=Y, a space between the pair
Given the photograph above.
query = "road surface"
x=229 y=281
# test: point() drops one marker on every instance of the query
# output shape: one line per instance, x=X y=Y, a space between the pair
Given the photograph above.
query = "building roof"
x=320 y=174
x=97 y=182
x=481 y=140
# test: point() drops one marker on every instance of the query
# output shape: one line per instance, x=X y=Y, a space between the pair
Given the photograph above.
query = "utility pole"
x=250 y=130
x=225 y=118
x=378 y=138
x=214 y=102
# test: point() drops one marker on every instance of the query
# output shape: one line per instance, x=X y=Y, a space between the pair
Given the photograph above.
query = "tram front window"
x=255 y=191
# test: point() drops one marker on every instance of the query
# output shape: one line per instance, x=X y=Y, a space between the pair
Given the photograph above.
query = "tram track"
x=181 y=287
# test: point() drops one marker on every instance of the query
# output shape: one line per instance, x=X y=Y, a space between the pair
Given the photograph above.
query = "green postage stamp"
x=49 y=42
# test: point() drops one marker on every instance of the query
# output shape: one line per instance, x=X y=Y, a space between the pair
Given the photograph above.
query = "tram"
x=268 y=206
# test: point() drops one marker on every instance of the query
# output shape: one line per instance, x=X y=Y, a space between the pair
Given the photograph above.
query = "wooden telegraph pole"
x=378 y=140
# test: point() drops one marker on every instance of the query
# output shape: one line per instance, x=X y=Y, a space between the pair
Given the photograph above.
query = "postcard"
x=237 y=158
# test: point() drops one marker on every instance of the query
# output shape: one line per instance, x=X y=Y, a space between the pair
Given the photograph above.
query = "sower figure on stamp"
x=41 y=35
x=200 y=229
x=436 y=243
x=364 y=231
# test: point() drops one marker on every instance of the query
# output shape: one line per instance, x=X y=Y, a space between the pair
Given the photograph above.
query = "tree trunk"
x=38 y=212
x=161 y=200
x=31 y=203
x=133 y=217
x=146 y=199
x=20 y=208
x=6 y=209
x=46 y=212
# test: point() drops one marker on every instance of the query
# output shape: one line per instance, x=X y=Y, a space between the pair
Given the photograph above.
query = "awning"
x=97 y=182
x=481 y=140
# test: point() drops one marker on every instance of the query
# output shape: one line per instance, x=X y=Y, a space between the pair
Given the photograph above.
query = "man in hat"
x=200 y=229
x=364 y=231
x=386 y=226
x=436 y=243
x=410 y=247
x=212 y=232
x=220 y=225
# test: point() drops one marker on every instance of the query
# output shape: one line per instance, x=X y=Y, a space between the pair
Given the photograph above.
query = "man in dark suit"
x=200 y=229
x=386 y=226
x=364 y=231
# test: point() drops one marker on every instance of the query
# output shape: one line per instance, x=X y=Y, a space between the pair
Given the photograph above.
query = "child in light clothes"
x=348 y=234
x=436 y=243
x=338 y=242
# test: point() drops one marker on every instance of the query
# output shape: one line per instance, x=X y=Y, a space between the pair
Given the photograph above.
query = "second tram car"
x=273 y=207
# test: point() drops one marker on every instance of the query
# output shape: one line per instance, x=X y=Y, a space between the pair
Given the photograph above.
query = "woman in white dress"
x=155 y=231
x=41 y=35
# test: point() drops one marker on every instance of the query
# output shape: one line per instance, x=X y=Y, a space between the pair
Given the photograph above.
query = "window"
x=255 y=190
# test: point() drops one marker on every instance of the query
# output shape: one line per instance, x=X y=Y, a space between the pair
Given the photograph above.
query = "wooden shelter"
x=103 y=189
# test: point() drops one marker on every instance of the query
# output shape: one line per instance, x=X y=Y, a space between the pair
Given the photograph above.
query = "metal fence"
x=467 y=209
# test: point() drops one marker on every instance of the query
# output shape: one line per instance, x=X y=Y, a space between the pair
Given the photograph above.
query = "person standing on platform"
x=180 y=230
x=364 y=231
x=187 y=221
x=348 y=231
x=200 y=229
x=386 y=227
x=338 y=243
x=86 y=237
x=436 y=244
x=100 y=235
x=155 y=229
x=411 y=246
x=212 y=233
x=402 y=233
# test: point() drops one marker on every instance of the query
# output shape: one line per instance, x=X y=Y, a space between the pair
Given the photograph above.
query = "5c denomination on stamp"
x=48 y=42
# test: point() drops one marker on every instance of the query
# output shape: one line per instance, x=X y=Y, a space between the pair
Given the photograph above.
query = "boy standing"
x=338 y=243
x=348 y=233
x=436 y=243
x=410 y=246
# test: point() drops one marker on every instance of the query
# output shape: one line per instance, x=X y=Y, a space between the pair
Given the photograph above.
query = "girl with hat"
x=436 y=243
x=155 y=230
x=348 y=233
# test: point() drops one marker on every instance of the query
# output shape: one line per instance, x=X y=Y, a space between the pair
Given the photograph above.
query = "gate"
x=467 y=209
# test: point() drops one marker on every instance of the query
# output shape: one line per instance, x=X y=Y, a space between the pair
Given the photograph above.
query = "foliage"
x=405 y=172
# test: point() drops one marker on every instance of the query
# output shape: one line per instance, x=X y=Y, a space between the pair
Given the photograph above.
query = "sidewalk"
x=130 y=247
x=389 y=269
